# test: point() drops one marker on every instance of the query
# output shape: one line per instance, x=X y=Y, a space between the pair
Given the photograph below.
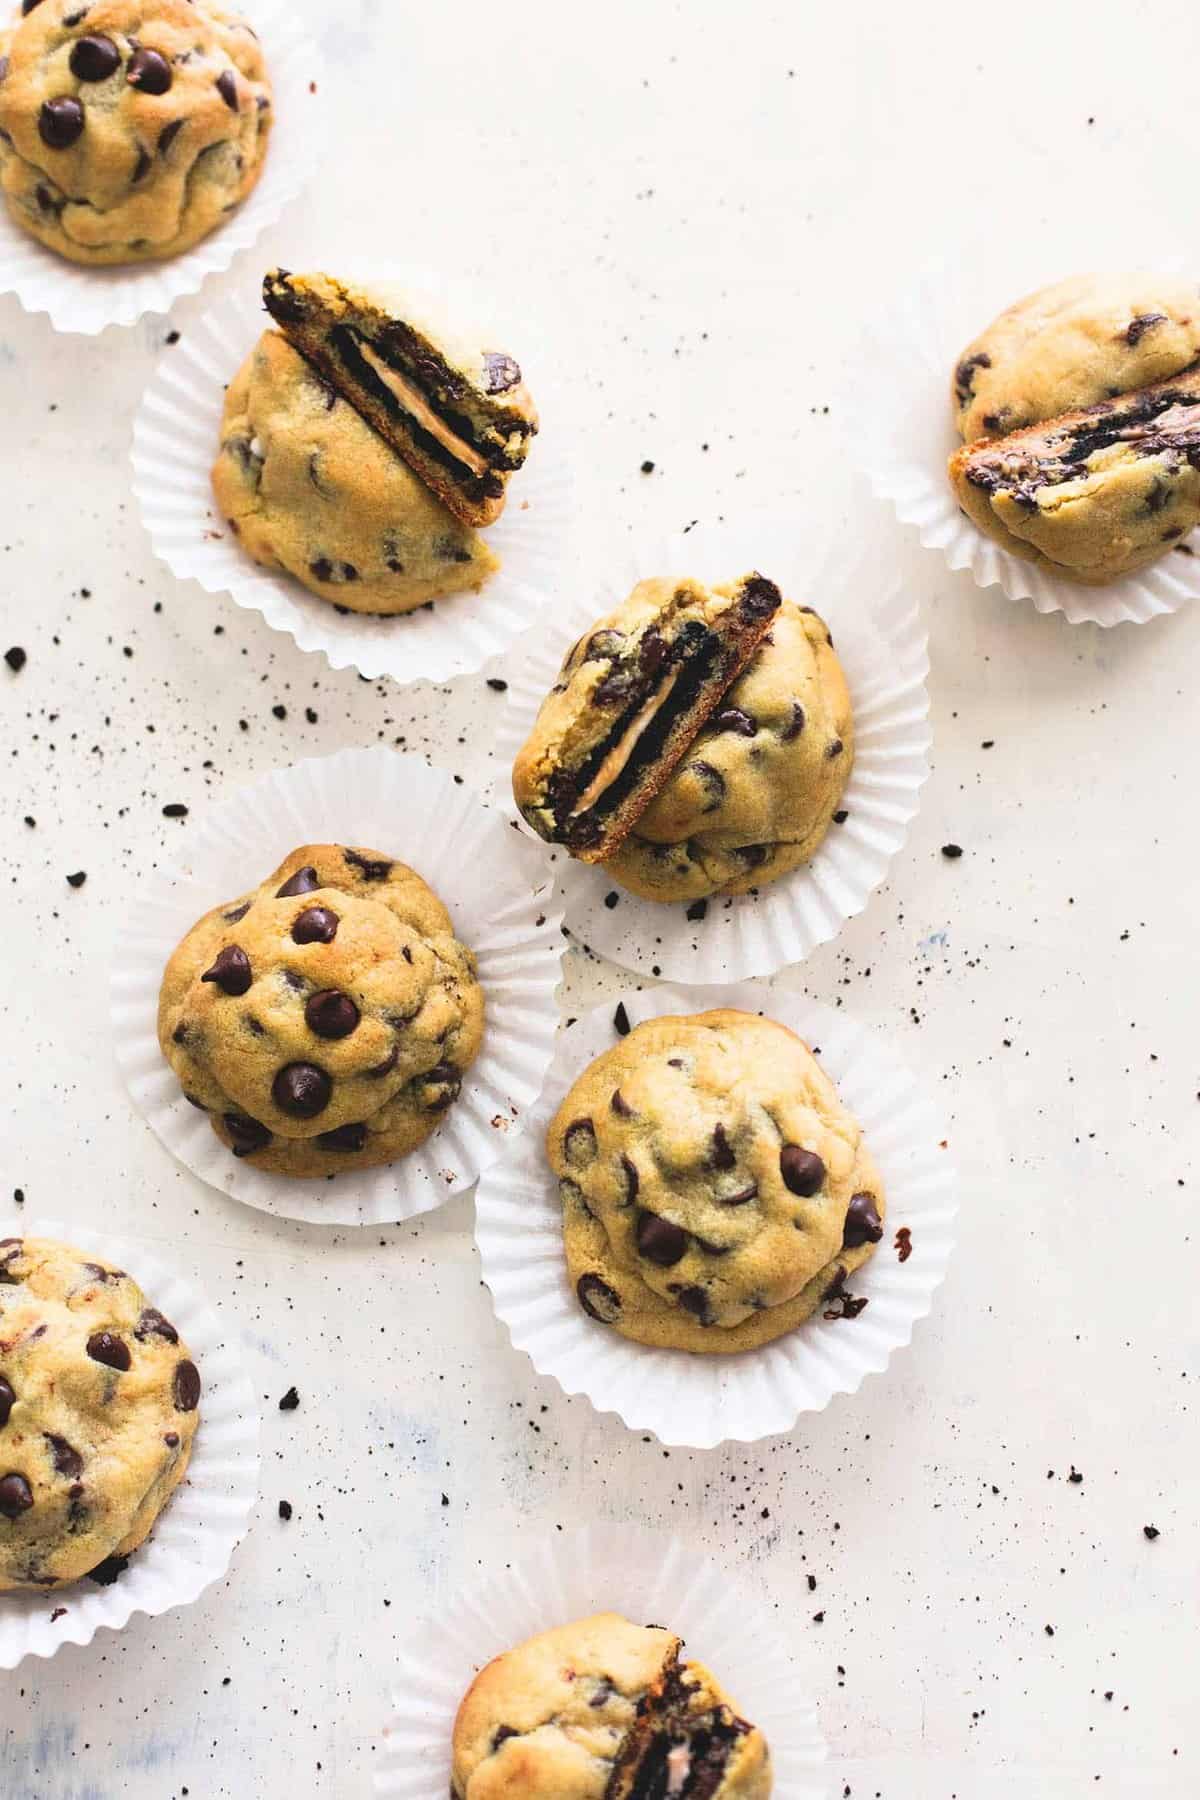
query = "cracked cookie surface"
x=715 y=1189
x=758 y=787
x=309 y=488
x=1082 y=341
x=1094 y=494
x=325 y=1021
x=129 y=129
x=630 y=697
x=99 y=1406
x=602 y=1709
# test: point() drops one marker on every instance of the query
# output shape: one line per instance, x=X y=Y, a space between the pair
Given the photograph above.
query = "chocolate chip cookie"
x=604 y=1710
x=715 y=1190
x=129 y=129
x=1094 y=494
x=757 y=790
x=309 y=488
x=326 y=1020
x=99 y=1404
x=631 y=696
x=1073 y=345
x=457 y=411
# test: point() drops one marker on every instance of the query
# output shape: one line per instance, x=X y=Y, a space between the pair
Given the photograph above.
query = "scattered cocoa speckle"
x=16 y=658
x=1150 y=1532
x=497 y=684
x=903 y=1243
x=290 y=1401
x=285 y=1510
x=77 y=879
x=951 y=852
x=176 y=810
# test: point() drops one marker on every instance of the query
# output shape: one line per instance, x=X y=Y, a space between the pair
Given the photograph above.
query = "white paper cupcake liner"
x=207 y=1516
x=175 y=440
x=650 y=1578
x=702 y=1400
x=498 y=896
x=912 y=435
x=86 y=300
x=882 y=644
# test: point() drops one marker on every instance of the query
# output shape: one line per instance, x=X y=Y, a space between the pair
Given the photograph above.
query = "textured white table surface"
x=699 y=209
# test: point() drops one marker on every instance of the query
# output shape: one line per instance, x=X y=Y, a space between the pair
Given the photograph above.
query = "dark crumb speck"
x=280 y=712
x=173 y=337
x=621 y=1021
x=951 y=851
x=176 y=810
x=497 y=685
x=1076 y=1476
x=16 y=659
x=285 y=1510
x=611 y=899
x=60 y=1612
x=1150 y=1532
x=77 y=879
x=647 y=467
x=290 y=1401
x=839 y=818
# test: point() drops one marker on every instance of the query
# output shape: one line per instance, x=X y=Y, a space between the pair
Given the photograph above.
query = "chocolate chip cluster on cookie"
x=632 y=694
x=759 y=785
x=715 y=1190
x=99 y=1403
x=309 y=488
x=601 y=1709
x=326 y=1020
x=1081 y=410
x=129 y=129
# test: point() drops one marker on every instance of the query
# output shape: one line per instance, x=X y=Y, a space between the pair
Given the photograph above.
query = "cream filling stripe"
x=413 y=401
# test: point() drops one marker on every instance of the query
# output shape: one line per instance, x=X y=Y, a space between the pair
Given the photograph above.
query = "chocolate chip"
x=389 y=1062
x=723 y=1156
x=734 y=719
x=1137 y=328
x=60 y=122
x=330 y=1014
x=302 y=882
x=863 y=1224
x=660 y=1241
x=16 y=659
x=579 y=1143
x=743 y=1196
x=759 y=597
x=317 y=925
x=168 y=134
x=171 y=1440
x=94 y=58
x=621 y=1023
x=247 y=1134
x=231 y=971
x=712 y=781
x=227 y=88
x=370 y=868
x=447 y=1078
x=695 y=1301
x=632 y=1182
x=16 y=1496
x=67 y=1459
x=7 y=1401
x=186 y=1387
x=653 y=653
x=501 y=1735
x=620 y=1105
x=27 y=6
x=964 y=377
x=500 y=372
x=835 y=749
x=802 y=1170
x=3 y=68
x=598 y=1300
x=238 y=913
x=149 y=72
x=301 y=1090
x=107 y=1348
x=153 y=1324
x=795 y=724
x=346 y=1137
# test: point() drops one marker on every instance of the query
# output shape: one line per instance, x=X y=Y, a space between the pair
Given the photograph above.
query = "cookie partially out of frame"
x=99 y=1402
x=454 y=407
x=631 y=696
x=327 y=1019
x=1094 y=494
x=759 y=785
x=129 y=129
x=308 y=488
x=715 y=1189
x=602 y=1709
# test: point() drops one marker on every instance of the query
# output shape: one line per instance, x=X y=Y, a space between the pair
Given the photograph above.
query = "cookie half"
x=1094 y=494
x=715 y=1189
x=326 y=1020
x=632 y=694
x=99 y=1403
x=456 y=411
x=602 y=1709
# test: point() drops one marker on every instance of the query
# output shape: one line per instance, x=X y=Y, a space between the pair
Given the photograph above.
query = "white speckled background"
x=700 y=209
